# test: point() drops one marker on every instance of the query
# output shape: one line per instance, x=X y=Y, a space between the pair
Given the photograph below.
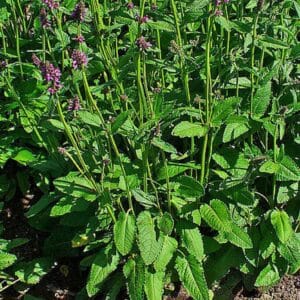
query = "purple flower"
x=79 y=12
x=51 y=3
x=79 y=38
x=44 y=18
x=74 y=104
x=218 y=2
x=50 y=74
x=61 y=150
x=3 y=64
x=79 y=59
x=226 y=1
x=154 y=7
x=143 y=44
x=130 y=5
x=218 y=12
x=143 y=19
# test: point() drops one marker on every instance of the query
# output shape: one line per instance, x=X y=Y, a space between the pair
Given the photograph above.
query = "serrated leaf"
x=223 y=109
x=288 y=170
x=282 y=225
x=154 y=283
x=166 y=223
x=167 y=147
x=237 y=236
x=32 y=272
x=124 y=232
x=191 y=274
x=6 y=260
x=268 y=276
x=147 y=242
x=188 y=129
x=261 y=99
x=134 y=271
x=216 y=216
x=291 y=252
x=269 y=167
x=143 y=198
x=189 y=187
x=169 y=246
x=223 y=22
x=89 y=118
x=233 y=131
x=67 y=205
x=191 y=239
x=105 y=262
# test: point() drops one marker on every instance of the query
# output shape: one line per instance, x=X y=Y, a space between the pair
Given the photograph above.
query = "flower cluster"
x=218 y=3
x=79 y=12
x=44 y=18
x=79 y=59
x=79 y=38
x=142 y=43
x=50 y=74
x=143 y=19
x=51 y=3
x=74 y=104
x=130 y=5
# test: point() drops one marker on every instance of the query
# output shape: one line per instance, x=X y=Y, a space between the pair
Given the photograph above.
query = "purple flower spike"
x=3 y=64
x=130 y=5
x=79 y=38
x=218 y=2
x=50 y=74
x=218 y=13
x=51 y=4
x=226 y=1
x=79 y=59
x=79 y=12
x=61 y=150
x=74 y=104
x=143 y=44
x=44 y=18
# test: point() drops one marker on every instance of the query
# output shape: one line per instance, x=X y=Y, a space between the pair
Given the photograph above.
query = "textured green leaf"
x=261 y=99
x=67 y=205
x=154 y=284
x=189 y=187
x=223 y=109
x=119 y=121
x=166 y=223
x=6 y=260
x=188 y=129
x=191 y=239
x=24 y=156
x=124 y=232
x=191 y=274
x=105 y=262
x=268 y=276
x=269 y=167
x=147 y=242
x=216 y=216
x=288 y=170
x=32 y=272
x=291 y=252
x=237 y=236
x=75 y=186
x=282 y=225
x=167 y=147
x=143 y=198
x=169 y=245
x=134 y=271
x=89 y=118
x=223 y=22
x=233 y=131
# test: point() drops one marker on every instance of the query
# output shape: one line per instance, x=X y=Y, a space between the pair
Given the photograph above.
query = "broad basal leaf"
x=191 y=239
x=216 y=216
x=106 y=261
x=6 y=260
x=189 y=187
x=166 y=223
x=124 y=232
x=287 y=170
x=169 y=245
x=237 y=236
x=191 y=274
x=261 y=99
x=282 y=225
x=188 y=129
x=134 y=271
x=154 y=283
x=268 y=276
x=147 y=242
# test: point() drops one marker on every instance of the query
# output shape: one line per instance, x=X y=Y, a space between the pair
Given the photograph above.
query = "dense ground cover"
x=149 y=145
